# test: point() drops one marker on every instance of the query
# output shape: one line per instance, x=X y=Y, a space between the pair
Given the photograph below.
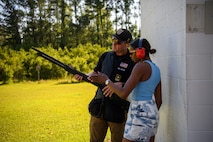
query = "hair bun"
x=152 y=51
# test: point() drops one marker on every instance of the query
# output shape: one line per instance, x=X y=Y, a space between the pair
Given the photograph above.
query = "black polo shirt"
x=117 y=68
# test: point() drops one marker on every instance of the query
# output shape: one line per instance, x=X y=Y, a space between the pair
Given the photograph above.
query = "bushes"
x=24 y=65
x=10 y=65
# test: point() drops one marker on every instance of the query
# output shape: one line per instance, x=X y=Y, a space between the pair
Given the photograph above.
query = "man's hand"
x=98 y=77
x=78 y=77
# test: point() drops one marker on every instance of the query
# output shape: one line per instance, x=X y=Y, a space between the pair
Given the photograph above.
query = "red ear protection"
x=140 y=53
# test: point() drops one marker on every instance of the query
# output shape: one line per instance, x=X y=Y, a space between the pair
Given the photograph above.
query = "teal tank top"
x=145 y=89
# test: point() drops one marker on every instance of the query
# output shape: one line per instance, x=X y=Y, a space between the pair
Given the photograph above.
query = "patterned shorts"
x=142 y=121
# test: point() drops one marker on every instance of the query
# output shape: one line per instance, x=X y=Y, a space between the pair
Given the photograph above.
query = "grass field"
x=51 y=111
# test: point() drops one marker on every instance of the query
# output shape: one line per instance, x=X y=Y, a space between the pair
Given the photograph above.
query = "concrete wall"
x=186 y=63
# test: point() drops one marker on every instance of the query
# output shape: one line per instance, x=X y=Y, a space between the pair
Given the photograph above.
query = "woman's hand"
x=107 y=91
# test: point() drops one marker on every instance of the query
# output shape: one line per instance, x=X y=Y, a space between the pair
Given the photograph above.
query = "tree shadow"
x=67 y=82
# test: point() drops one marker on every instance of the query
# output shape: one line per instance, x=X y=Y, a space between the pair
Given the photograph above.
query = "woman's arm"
x=124 y=91
x=158 y=95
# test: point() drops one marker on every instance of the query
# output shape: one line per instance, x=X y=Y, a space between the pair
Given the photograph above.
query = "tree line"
x=64 y=23
x=16 y=66
x=75 y=32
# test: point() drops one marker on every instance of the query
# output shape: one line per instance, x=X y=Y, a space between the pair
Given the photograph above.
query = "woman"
x=143 y=83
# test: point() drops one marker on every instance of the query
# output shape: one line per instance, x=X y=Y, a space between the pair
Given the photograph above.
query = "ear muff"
x=140 y=52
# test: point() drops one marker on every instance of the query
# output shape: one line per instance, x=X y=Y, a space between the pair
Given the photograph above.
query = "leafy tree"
x=100 y=26
x=10 y=18
x=29 y=32
x=61 y=23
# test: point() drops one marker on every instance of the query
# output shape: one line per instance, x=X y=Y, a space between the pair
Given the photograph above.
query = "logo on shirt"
x=117 y=77
x=123 y=65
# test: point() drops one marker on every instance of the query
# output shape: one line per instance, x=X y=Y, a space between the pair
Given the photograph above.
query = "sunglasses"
x=115 y=41
x=131 y=52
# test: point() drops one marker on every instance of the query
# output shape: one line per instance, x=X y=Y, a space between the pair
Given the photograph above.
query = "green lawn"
x=51 y=111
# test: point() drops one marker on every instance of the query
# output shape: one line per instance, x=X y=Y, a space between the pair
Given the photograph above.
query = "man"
x=118 y=65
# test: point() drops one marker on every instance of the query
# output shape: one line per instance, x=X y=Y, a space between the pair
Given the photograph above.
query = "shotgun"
x=64 y=66
x=124 y=103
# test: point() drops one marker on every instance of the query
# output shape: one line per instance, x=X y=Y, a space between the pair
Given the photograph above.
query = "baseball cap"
x=123 y=35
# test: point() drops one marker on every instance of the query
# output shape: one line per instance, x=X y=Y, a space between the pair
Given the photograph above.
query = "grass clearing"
x=51 y=111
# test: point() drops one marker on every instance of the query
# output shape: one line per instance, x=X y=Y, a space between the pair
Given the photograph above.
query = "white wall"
x=186 y=63
x=200 y=87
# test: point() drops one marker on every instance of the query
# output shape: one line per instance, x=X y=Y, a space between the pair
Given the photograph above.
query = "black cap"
x=123 y=35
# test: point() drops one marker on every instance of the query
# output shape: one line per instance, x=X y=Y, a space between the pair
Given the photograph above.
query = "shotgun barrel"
x=66 y=67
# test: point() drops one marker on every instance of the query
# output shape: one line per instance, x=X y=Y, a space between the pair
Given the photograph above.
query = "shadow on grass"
x=2 y=83
x=66 y=82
